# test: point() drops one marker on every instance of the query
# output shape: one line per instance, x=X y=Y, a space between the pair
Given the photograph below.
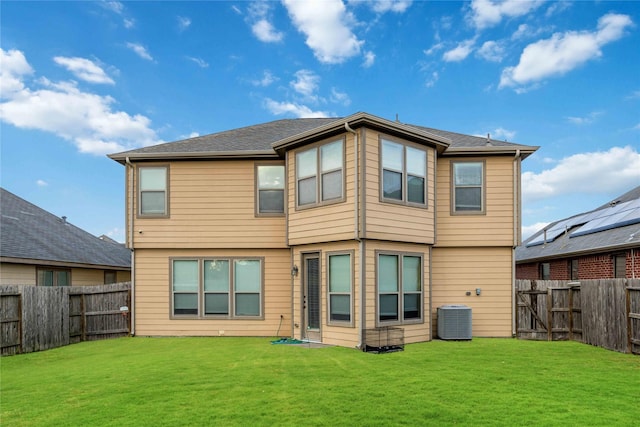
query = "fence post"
x=629 y=321
x=83 y=319
x=549 y=314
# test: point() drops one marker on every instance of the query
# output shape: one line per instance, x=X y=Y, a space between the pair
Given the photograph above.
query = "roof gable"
x=31 y=233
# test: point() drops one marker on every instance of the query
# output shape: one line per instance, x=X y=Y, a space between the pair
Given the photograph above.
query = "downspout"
x=356 y=232
x=130 y=189
x=516 y=234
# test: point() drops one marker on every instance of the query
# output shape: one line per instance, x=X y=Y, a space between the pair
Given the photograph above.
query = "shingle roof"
x=260 y=138
x=31 y=233
x=571 y=242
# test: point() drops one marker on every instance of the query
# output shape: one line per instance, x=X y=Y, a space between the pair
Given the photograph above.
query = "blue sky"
x=79 y=80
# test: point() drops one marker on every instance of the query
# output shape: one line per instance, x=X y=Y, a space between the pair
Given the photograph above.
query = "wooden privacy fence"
x=35 y=318
x=604 y=313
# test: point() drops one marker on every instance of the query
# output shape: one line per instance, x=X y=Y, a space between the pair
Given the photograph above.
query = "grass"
x=250 y=382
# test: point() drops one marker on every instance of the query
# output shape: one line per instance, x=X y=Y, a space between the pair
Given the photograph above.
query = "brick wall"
x=599 y=266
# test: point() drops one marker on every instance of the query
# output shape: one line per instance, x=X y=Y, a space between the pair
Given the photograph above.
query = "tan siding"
x=496 y=226
x=412 y=332
x=460 y=270
x=390 y=221
x=211 y=206
x=86 y=277
x=347 y=336
x=153 y=294
x=17 y=274
x=322 y=223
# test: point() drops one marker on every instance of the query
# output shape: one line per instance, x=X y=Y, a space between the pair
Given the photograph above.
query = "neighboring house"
x=39 y=248
x=321 y=229
x=599 y=244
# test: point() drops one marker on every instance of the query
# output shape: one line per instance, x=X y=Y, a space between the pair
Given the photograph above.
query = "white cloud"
x=488 y=13
x=42 y=183
x=183 y=23
x=113 y=6
x=563 y=52
x=433 y=79
x=129 y=22
x=327 y=26
x=84 y=118
x=296 y=110
x=433 y=49
x=266 y=80
x=306 y=83
x=530 y=230
x=384 y=6
x=590 y=118
x=369 y=59
x=13 y=68
x=199 y=61
x=460 y=52
x=262 y=28
x=84 y=69
x=557 y=7
x=616 y=170
x=525 y=31
x=504 y=134
x=140 y=50
x=491 y=51
x=340 y=97
x=634 y=95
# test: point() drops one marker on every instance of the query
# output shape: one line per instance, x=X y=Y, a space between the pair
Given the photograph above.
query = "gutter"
x=249 y=154
x=356 y=232
x=129 y=190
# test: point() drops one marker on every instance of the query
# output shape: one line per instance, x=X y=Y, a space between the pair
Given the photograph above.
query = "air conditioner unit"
x=454 y=322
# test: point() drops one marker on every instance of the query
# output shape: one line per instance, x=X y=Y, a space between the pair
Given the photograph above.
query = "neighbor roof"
x=610 y=227
x=270 y=139
x=29 y=234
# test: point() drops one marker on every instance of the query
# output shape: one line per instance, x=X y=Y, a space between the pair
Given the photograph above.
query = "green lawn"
x=248 y=382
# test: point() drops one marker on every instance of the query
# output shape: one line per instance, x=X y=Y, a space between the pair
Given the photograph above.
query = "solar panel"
x=616 y=216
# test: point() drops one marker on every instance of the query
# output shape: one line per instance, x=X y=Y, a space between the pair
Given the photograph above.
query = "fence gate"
x=633 y=319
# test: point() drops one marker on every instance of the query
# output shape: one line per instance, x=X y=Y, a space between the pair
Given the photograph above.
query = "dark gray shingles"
x=565 y=245
x=29 y=232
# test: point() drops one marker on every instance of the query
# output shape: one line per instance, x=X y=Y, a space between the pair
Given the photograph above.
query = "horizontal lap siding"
x=493 y=228
x=211 y=206
x=86 y=277
x=346 y=336
x=389 y=221
x=322 y=223
x=412 y=332
x=153 y=295
x=460 y=270
x=17 y=274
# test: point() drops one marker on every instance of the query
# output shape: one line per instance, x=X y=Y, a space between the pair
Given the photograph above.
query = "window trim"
x=231 y=295
x=320 y=173
x=342 y=323
x=401 y=293
x=139 y=213
x=616 y=265
x=483 y=189
x=541 y=268
x=54 y=270
x=404 y=173
x=257 y=212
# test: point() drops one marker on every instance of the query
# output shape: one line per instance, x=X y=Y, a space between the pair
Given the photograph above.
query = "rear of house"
x=322 y=229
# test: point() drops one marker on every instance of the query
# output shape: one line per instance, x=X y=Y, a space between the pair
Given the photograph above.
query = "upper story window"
x=153 y=191
x=404 y=174
x=320 y=174
x=468 y=187
x=270 y=189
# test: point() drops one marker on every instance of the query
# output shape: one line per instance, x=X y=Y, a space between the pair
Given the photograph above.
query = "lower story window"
x=227 y=287
x=400 y=287
x=53 y=277
x=339 y=278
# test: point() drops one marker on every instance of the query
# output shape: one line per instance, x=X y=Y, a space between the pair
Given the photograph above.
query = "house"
x=599 y=244
x=39 y=248
x=322 y=229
